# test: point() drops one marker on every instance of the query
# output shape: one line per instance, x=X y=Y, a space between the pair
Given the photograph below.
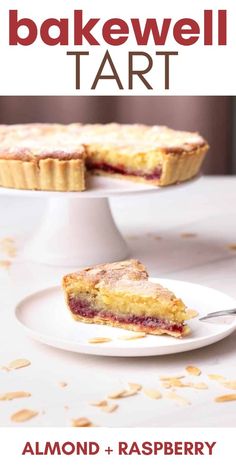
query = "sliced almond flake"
x=177 y=398
x=178 y=383
x=226 y=398
x=19 y=364
x=218 y=377
x=7 y=245
x=23 y=415
x=101 y=403
x=166 y=384
x=154 y=394
x=4 y=368
x=171 y=377
x=63 y=384
x=117 y=394
x=174 y=383
x=81 y=423
x=130 y=337
x=199 y=386
x=129 y=393
x=99 y=340
x=135 y=387
x=188 y=235
x=109 y=408
x=7 y=240
x=229 y=384
x=193 y=370
x=5 y=264
x=13 y=395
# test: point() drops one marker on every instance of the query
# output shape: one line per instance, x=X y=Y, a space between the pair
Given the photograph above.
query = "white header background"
x=47 y=70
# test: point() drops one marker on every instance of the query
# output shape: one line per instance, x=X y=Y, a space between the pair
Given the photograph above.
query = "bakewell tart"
x=121 y=295
x=57 y=157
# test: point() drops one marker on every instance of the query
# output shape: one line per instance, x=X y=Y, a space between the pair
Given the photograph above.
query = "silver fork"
x=217 y=314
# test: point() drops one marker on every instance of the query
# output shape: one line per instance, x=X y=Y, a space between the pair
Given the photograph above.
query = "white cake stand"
x=77 y=228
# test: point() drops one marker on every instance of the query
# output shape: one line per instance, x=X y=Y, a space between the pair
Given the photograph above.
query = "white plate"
x=45 y=317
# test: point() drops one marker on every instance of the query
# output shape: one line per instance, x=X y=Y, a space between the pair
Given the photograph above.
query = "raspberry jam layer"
x=156 y=174
x=83 y=308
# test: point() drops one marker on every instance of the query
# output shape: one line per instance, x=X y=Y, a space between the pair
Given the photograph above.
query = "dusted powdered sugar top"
x=143 y=288
x=140 y=138
x=109 y=273
x=67 y=141
x=32 y=141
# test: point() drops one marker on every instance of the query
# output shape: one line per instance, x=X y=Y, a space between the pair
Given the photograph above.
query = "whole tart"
x=121 y=295
x=41 y=157
x=56 y=157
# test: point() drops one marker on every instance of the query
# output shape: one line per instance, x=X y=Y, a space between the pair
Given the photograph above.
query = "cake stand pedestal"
x=77 y=228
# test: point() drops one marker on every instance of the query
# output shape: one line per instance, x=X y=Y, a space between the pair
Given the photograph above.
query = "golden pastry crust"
x=151 y=154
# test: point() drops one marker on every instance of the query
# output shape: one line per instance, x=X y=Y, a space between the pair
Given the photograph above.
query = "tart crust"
x=45 y=174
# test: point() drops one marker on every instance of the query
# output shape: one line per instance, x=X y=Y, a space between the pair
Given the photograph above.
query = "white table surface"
x=207 y=209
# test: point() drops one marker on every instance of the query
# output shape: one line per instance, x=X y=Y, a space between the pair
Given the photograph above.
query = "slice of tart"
x=121 y=295
x=41 y=157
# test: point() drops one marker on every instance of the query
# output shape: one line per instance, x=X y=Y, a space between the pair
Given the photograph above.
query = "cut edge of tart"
x=120 y=295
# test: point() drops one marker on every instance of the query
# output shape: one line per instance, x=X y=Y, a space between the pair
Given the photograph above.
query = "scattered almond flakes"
x=117 y=394
x=13 y=395
x=180 y=400
x=23 y=415
x=81 y=423
x=226 y=398
x=154 y=394
x=134 y=386
x=218 y=377
x=19 y=364
x=5 y=264
x=109 y=408
x=99 y=340
x=188 y=235
x=100 y=403
x=232 y=247
x=63 y=384
x=193 y=370
x=229 y=384
x=130 y=337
